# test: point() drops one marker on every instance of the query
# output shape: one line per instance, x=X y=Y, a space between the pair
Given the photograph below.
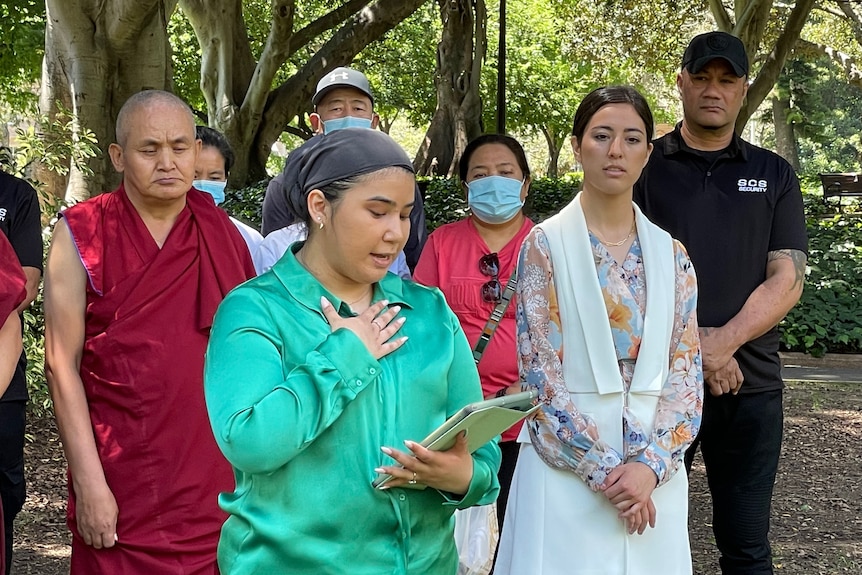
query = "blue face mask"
x=213 y=188
x=495 y=199
x=345 y=122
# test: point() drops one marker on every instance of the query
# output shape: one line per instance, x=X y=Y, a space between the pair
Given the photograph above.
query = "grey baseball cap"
x=342 y=78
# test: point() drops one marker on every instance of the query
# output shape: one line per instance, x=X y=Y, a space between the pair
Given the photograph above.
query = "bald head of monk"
x=156 y=149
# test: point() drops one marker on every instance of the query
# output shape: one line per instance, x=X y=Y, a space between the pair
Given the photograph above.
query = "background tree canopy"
x=249 y=68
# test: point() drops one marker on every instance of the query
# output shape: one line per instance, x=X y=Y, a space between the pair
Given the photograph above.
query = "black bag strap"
x=496 y=316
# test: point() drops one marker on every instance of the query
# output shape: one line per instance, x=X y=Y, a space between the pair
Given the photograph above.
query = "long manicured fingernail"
x=324 y=302
x=379 y=470
x=386 y=450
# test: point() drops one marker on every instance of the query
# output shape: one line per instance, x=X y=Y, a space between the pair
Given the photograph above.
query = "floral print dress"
x=570 y=438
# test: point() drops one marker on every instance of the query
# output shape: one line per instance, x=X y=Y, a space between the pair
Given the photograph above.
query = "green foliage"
x=22 y=45
x=245 y=204
x=828 y=317
x=549 y=195
x=826 y=113
x=48 y=145
x=34 y=344
x=401 y=69
x=52 y=145
x=186 y=63
x=446 y=202
x=539 y=68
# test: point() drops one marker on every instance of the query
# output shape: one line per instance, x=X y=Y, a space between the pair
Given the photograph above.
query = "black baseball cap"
x=707 y=47
x=342 y=78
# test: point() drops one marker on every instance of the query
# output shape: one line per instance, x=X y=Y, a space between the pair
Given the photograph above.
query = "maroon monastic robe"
x=147 y=322
x=12 y=280
x=12 y=293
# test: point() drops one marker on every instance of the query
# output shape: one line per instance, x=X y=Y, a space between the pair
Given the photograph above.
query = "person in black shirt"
x=20 y=222
x=738 y=210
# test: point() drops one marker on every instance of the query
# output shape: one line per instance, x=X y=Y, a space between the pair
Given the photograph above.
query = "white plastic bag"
x=476 y=535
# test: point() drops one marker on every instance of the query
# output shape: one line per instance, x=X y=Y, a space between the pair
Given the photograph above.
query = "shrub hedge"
x=828 y=318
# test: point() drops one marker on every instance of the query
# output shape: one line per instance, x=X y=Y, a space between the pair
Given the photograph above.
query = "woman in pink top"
x=472 y=260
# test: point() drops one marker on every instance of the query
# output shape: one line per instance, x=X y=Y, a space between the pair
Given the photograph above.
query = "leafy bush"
x=244 y=204
x=55 y=145
x=34 y=344
x=446 y=202
x=828 y=317
x=549 y=195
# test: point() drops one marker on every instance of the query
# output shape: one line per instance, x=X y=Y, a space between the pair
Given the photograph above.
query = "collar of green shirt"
x=305 y=288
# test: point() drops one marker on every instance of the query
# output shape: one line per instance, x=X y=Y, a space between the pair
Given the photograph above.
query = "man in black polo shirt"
x=738 y=210
x=20 y=222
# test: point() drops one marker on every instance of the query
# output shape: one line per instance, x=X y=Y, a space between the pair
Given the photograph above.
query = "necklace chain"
x=360 y=298
x=619 y=243
x=301 y=259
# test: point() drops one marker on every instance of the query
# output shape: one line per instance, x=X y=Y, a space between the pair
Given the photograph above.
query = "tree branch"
x=847 y=63
x=289 y=99
x=125 y=21
x=722 y=18
x=326 y=22
x=848 y=10
x=273 y=56
x=774 y=62
x=744 y=20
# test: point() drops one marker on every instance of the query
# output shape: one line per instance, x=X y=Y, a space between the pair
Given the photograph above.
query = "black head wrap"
x=341 y=155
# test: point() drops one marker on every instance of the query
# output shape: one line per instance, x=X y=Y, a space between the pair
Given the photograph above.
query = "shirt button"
x=402 y=497
x=709 y=173
x=358 y=383
x=372 y=371
x=403 y=535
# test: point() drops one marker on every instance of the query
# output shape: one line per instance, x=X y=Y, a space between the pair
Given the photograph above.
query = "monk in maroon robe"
x=12 y=293
x=132 y=282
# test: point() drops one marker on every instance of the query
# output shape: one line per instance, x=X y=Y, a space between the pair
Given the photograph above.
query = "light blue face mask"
x=495 y=199
x=213 y=188
x=345 y=122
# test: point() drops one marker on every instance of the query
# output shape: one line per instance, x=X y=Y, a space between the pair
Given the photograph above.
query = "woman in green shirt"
x=321 y=372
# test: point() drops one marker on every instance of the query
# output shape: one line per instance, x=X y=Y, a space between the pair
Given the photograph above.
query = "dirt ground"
x=817 y=514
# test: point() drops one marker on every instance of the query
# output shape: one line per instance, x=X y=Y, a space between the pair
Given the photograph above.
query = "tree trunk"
x=555 y=146
x=751 y=18
x=97 y=54
x=238 y=91
x=785 y=137
x=458 y=117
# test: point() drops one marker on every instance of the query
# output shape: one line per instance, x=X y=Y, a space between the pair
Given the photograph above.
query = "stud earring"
x=320 y=220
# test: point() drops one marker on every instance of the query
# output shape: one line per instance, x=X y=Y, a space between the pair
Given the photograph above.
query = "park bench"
x=841 y=186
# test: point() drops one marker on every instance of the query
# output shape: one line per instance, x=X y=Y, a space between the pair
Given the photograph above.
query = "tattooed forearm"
x=799 y=260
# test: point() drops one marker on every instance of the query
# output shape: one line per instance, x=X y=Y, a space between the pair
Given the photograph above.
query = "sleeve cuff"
x=655 y=462
x=483 y=489
x=597 y=463
x=351 y=359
